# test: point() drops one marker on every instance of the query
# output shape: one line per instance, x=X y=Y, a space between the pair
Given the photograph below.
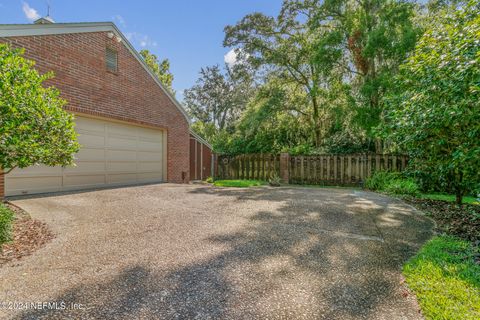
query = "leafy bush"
x=6 y=217
x=34 y=127
x=380 y=179
x=210 y=180
x=402 y=186
x=392 y=182
x=345 y=142
x=432 y=114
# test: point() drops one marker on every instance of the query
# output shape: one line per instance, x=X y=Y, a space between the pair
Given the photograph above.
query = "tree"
x=435 y=114
x=160 y=68
x=297 y=53
x=377 y=36
x=34 y=128
x=218 y=98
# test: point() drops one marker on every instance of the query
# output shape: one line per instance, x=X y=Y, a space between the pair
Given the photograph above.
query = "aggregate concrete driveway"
x=196 y=252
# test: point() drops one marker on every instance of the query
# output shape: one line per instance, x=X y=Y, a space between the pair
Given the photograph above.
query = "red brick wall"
x=193 y=158
x=78 y=62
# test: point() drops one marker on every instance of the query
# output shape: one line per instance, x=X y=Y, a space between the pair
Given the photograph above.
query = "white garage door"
x=111 y=154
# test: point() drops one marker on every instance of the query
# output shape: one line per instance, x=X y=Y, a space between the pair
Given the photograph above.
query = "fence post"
x=284 y=167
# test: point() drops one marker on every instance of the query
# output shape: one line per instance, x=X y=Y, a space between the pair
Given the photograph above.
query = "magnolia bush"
x=34 y=128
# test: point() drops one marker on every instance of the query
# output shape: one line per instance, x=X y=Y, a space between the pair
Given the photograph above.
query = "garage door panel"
x=84 y=180
x=89 y=154
x=24 y=185
x=37 y=170
x=121 y=155
x=86 y=167
x=149 y=135
x=122 y=178
x=110 y=154
x=89 y=125
x=149 y=146
x=91 y=140
x=149 y=156
x=122 y=143
x=150 y=166
x=150 y=176
x=122 y=130
x=121 y=166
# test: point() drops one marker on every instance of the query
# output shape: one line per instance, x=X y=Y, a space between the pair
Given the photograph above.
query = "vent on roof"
x=112 y=60
x=44 y=20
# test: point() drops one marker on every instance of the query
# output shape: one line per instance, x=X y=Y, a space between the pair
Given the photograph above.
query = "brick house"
x=132 y=130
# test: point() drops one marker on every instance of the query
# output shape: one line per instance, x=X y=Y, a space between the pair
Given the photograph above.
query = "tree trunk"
x=316 y=121
x=459 y=189
x=458 y=197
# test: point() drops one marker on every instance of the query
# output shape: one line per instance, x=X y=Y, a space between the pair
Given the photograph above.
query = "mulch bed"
x=461 y=221
x=28 y=236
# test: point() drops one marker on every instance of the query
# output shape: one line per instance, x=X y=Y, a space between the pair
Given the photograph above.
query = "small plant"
x=392 y=182
x=274 y=180
x=210 y=180
x=380 y=179
x=6 y=218
x=402 y=186
x=239 y=183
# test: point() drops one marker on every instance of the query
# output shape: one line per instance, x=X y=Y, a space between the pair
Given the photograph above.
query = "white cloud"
x=230 y=58
x=120 y=20
x=30 y=13
x=140 y=39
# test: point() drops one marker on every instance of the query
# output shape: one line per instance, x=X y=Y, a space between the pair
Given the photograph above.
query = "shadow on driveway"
x=301 y=253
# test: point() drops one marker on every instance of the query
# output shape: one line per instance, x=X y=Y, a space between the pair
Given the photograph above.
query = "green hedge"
x=392 y=182
x=6 y=218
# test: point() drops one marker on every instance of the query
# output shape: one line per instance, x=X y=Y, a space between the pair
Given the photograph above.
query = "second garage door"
x=111 y=154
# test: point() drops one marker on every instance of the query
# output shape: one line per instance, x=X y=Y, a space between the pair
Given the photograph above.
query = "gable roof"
x=17 y=30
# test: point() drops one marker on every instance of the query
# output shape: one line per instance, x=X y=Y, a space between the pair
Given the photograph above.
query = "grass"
x=447 y=197
x=325 y=186
x=6 y=218
x=446 y=279
x=239 y=183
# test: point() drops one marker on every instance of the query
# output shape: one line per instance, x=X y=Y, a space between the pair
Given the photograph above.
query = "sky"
x=187 y=32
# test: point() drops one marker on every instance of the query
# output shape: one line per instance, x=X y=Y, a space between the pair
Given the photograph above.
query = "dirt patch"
x=461 y=221
x=28 y=236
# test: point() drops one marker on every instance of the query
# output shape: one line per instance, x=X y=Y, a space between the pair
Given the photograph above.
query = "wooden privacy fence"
x=248 y=166
x=341 y=169
x=324 y=169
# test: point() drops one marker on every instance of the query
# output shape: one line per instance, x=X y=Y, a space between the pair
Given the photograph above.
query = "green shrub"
x=6 y=218
x=392 y=182
x=380 y=179
x=210 y=180
x=402 y=186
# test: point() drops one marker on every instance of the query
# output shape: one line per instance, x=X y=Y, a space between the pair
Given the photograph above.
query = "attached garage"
x=131 y=128
x=112 y=153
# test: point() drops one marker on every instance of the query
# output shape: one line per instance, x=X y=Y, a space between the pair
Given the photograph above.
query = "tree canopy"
x=218 y=99
x=160 y=68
